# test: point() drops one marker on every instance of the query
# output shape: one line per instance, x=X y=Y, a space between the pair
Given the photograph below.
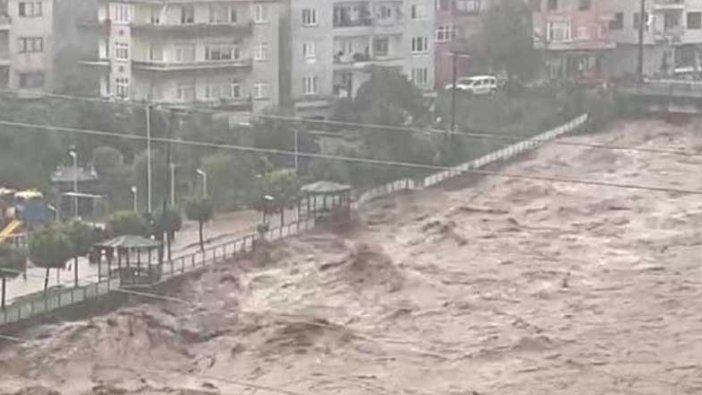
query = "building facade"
x=457 y=23
x=574 y=35
x=334 y=42
x=219 y=54
x=27 y=44
x=672 y=36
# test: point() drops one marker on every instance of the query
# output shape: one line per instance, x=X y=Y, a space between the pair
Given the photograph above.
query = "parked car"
x=476 y=85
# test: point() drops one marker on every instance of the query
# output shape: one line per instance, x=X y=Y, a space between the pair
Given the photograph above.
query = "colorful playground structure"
x=21 y=211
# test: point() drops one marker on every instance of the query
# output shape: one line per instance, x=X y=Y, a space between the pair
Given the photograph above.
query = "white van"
x=476 y=85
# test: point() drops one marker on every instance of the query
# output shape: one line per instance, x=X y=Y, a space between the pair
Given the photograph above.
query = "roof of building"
x=68 y=174
x=325 y=188
x=130 y=242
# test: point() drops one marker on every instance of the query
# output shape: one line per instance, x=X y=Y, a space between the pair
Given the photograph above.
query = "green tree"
x=114 y=175
x=284 y=187
x=169 y=222
x=506 y=42
x=82 y=237
x=200 y=210
x=126 y=223
x=50 y=248
x=13 y=262
x=231 y=178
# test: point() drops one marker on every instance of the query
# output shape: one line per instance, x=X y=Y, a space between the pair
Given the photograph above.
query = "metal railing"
x=39 y=303
x=44 y=302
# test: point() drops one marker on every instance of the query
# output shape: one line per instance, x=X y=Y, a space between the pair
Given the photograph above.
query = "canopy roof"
x=325 y=188
x=130 y=242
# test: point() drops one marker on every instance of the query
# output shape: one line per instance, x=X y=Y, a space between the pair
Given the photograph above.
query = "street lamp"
x=74 y=155
x=173 y=169
x=135 y=197
x=203 y=174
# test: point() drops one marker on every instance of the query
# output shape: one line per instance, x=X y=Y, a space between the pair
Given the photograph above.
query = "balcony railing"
x=193 y=66
x=194 y=28
x=669 y=5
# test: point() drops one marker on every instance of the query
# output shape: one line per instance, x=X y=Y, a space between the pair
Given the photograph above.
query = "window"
x=309 y=85
x=584 y=5
x=583 y=33
x=218 y=52
x=552 y=5
x=261 y=13
x=383 y=12
x=223 y=90
x=420 y=45
x=418 y=11
x=443 y=5
x=637 y=20
x=260 y=90
x=222 y=13
x=122 y=87
x=122 y=51
x=31 y=80
x=155 y=15
x=187 y=14
x=186 y=91
x=381 y=47
x=121 y=13
x=29 y=9
x=618 y=22
x=185 y=53
x=261 y=52
x=694 y=20
x=156 y=53
x=445 y=33
x=535 y=5
x=31 y=44
x=309 y=17
x=467 y=6
x=559 y=31
x=308 y=50
x=420 y=76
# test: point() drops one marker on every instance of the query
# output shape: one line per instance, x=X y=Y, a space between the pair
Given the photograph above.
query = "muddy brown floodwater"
x=504 y=286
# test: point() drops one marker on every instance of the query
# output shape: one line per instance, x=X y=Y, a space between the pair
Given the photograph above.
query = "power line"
x=379 y=162
x=379 y=127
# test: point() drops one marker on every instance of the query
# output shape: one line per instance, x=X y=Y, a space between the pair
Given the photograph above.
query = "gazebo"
x=324 y=199
x=130 y=271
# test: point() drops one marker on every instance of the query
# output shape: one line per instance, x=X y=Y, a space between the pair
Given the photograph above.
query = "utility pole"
x=297 y=149
x=454 y=67
x=148 y=159
x=642 y=27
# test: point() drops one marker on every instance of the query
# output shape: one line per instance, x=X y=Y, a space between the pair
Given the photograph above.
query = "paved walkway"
x=225 y=227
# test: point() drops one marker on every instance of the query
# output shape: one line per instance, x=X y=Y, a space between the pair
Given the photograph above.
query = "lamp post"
x=74 y=155
x=135 y=195
x=203 y=174
x=643 y=20
x=173 y=170
x=297 y=150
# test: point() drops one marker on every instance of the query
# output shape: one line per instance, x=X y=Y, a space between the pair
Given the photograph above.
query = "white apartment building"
x=221 y=54
x=27 y=44
x=672 y=36
x=334 y=41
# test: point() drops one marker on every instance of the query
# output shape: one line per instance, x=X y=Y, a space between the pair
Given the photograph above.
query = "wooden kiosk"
x=325 y=200
x=130 y=266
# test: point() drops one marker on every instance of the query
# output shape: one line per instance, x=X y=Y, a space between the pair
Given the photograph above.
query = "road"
x=225 y=227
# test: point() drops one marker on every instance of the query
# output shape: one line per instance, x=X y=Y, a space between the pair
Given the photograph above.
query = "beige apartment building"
x=27 y=44
x=218 y=54
x=333 y=43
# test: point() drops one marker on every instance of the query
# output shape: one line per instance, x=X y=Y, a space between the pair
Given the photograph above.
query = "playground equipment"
x=20 y=211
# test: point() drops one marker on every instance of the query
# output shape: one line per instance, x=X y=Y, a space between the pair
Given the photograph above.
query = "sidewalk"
x=225 y=227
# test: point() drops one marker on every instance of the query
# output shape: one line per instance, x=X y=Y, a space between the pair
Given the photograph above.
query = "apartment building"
x=457 y=23
x=27 y=44
x=221 y=54
x=574 y=35
x=672 y=36
x=334 y=42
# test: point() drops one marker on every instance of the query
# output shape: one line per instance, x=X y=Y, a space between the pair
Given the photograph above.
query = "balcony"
x=669 y=5
x=361 y=60
x=242 y=64
x=237 y=104
x=669 y=35
x=193 y=29
x=97 y=62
